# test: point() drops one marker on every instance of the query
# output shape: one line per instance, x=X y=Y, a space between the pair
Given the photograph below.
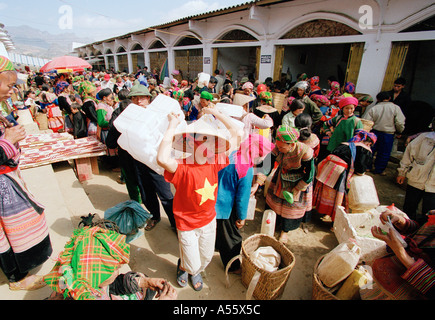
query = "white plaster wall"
x=3 y=51
x=373 y=66
x=268 y=24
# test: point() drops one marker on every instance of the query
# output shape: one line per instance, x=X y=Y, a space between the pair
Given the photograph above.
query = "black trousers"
x=153 y=185
x=412 y=200
x=228 y=240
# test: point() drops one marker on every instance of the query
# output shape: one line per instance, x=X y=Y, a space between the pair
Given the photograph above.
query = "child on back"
x=195 y=179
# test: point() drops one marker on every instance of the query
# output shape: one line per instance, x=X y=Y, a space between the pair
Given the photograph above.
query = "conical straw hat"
x=242 y=99
x=200 y=127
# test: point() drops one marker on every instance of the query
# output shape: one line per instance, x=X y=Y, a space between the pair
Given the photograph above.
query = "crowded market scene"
x=226 y=181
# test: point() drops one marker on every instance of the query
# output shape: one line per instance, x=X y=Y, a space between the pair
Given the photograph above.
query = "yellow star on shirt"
x=207 y=193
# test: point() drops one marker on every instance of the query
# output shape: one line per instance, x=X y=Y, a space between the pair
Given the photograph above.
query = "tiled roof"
x=234 y=8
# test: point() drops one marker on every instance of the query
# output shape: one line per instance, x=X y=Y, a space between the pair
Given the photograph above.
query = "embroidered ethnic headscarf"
x=287 y=134
x=178 y=95
x=367 y=98
x=335 y=90
x=6 y=64
x=362 y=135
x=321 y=98
x=266 y=96
x=349 y=87
x=85 y=89
x=60 y=87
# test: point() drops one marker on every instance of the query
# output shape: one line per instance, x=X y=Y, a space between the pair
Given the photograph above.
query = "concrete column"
x=171 y=61
x=115 y=58
x=130 y=63
x=266 y=68
x=147 y=60
x=106 y=62
x=373 y=66
x=207 y=54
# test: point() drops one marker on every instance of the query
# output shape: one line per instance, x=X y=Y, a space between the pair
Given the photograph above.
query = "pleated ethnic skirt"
x=24 y=238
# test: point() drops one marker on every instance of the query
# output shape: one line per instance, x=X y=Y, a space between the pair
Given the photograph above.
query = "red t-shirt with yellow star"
x=196 y=191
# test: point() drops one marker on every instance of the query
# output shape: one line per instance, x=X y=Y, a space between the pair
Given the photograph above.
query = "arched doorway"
x=237 y=51
x=110 y=60
x=413 y=61
x=98 y=64
x=137 y=57
x=340 y=60
x=188 y=57
x=158 y=56
x=122 y=59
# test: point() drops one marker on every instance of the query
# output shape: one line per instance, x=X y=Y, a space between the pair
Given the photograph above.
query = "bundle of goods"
x=142 y=129
x=337 y=275
x=358 y=227
x=266 y=267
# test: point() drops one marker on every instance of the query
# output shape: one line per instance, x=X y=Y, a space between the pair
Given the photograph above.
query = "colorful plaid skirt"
x=327 y=199
x=283 y=208
x=330 y=188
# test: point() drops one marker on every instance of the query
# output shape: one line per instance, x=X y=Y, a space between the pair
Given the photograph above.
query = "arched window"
x=157 y=45
x=137 y=47
x=188 y=41
x=425 y=25
x=121 y=50
x=320 y=28
x=236 y=36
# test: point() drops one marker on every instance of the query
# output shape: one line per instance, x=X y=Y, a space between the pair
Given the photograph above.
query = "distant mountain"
x=42 y=44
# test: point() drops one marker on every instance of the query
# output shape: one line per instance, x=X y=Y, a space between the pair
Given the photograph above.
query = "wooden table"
x=43 y=149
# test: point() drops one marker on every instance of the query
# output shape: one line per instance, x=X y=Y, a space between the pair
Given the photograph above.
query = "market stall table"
x=43 y=149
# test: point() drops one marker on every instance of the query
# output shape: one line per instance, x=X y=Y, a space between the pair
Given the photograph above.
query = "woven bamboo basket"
x=216 y=97
x=270 y=285
x=367 y=124
x=319 y=290
x=279 y=101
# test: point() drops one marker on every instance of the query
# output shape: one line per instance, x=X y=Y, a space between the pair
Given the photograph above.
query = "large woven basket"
x=367 y=124
x=319 y=290
x=279 y=101
x=270 y=285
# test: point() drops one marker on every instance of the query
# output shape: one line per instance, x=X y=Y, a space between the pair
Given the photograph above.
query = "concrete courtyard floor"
x=155 y=253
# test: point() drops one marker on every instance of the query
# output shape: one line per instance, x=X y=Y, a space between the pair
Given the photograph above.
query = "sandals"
x=182 y=276
x=195 y=281
x=36 y=284
x=151 y=224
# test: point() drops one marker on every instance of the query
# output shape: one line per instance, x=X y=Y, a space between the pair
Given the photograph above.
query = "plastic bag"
x=266 y=258
x=129 y=216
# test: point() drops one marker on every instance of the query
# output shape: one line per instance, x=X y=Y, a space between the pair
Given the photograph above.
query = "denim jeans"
x=382 y=148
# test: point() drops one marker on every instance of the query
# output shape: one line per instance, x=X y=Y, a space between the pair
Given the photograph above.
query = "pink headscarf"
x=174 y=82
x=348 y=100
x=251 y=150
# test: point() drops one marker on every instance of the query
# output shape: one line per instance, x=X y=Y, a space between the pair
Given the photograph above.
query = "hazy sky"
x=98 y=19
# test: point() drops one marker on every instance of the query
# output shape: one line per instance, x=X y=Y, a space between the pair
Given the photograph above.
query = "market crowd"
x=298 y=144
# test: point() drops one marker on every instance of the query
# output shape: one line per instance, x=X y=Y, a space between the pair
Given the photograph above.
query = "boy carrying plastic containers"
x=195 y=179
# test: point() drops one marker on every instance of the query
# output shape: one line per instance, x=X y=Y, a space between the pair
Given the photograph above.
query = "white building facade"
x=367 y=42
x=6 y=44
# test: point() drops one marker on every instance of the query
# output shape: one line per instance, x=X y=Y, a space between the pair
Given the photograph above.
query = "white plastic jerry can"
x=251 y=208
x=268 y=223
